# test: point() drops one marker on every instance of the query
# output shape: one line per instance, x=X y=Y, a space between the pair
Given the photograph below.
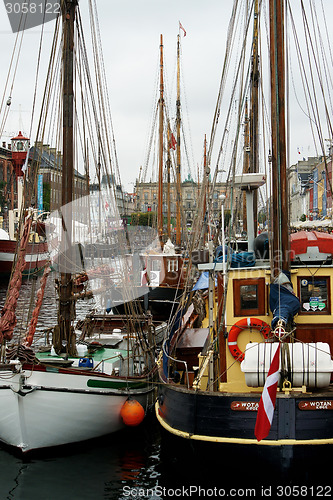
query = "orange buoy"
x=132 y=412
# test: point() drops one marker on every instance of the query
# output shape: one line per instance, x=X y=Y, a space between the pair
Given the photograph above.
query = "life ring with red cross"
x=238 y=327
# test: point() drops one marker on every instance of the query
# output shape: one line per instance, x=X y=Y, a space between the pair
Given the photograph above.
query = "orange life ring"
x=241 y=325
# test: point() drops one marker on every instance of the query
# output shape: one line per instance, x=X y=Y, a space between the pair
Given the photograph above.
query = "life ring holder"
x=238 y=327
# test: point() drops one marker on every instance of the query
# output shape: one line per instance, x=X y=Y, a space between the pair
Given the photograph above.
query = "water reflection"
x=95 y=470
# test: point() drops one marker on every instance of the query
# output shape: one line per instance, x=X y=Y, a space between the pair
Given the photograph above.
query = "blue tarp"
x=238 y=259
x=203 y=282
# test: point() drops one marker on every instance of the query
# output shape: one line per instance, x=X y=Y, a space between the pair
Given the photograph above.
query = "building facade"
x=146 y=199
x=310 y=193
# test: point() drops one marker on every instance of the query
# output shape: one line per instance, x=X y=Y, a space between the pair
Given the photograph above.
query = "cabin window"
x=249 y=297
x=172 y=265
x=314 y=294
x=156 y=265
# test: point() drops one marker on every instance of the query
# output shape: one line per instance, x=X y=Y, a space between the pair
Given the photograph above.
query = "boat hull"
x=36 y=257
x=47 y=409
x=162 y=301
x=230 y=418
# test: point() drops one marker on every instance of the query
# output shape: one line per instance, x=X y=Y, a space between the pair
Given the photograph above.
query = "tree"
x=144 y=219
x=46 y=196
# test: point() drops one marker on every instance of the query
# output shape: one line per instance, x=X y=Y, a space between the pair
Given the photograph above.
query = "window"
x=172 y=265
x=249 y=297
x=314 y=294
x=156 y=265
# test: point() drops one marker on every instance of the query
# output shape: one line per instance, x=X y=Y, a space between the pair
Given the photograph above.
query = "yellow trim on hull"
x=215 y=439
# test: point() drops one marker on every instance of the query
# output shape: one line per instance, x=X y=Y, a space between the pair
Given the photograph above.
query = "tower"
x=20 y=149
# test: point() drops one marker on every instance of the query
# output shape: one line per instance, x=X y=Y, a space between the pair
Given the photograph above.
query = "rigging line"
x=152 y=120
x=318 y=126
x=223 y=77
x=308 y=97
x=328 y=78
x=326 y=31
x=19 y=33
x=38 y=66
x=18 y=56
x=222 y=82
x=239 y=70
x=104 y=80
x=151 y=139
x=304 y=84
x=309 y=41
x=86 y=89
x=187 y=110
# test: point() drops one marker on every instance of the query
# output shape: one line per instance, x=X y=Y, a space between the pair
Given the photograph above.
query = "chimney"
x=9 y=146
x=4 y=144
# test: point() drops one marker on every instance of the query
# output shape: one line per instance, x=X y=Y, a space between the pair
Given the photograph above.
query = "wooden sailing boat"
x=164 y=270
x=37 y=248
x=213 y=371
x=78 y=390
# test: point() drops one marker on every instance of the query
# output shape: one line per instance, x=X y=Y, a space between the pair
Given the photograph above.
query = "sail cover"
x=282 y=300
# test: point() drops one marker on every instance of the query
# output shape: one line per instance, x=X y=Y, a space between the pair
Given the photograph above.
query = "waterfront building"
x=146 y=194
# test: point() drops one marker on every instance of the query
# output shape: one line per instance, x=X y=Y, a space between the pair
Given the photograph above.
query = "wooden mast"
x=246 y=159
x=178 y=177
x=254 y=119
x=168 y=186
x=280 y=209
x=160 y=169
x=205 y=214
x=66 y=304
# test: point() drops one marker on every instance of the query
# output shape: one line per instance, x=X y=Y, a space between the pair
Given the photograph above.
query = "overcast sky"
x=130 y=31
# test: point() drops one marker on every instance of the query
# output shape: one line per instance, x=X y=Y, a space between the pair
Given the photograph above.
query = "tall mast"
x=66 y=305
x=205 y=214
x=160 y=169
x=168 y=186
x=178 y=177
x=280 y=209
x=254 y=120
x=246 y=159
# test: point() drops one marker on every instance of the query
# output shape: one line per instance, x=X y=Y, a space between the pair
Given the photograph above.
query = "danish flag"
x=268 y=398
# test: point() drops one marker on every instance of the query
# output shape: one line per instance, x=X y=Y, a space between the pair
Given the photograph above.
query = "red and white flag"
x=144 y=277
x=268 y=398
x=181 y=28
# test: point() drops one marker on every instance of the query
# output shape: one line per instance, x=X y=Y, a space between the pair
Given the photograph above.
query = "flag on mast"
x=173 y=142
x=25 y=165
x=268 y=398
x=181 y=28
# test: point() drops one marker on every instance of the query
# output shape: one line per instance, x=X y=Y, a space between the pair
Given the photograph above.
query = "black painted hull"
x=161 y=301
x=208 y=417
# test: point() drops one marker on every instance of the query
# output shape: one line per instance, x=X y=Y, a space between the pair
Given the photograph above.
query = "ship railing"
x=177 y=361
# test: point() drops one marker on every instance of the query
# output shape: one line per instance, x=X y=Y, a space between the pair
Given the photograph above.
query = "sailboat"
x=37 y=249
x=163 y=268
x=214 y=383
x=74 y=389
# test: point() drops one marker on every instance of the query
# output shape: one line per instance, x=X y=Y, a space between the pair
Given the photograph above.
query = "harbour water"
x=144 y=462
